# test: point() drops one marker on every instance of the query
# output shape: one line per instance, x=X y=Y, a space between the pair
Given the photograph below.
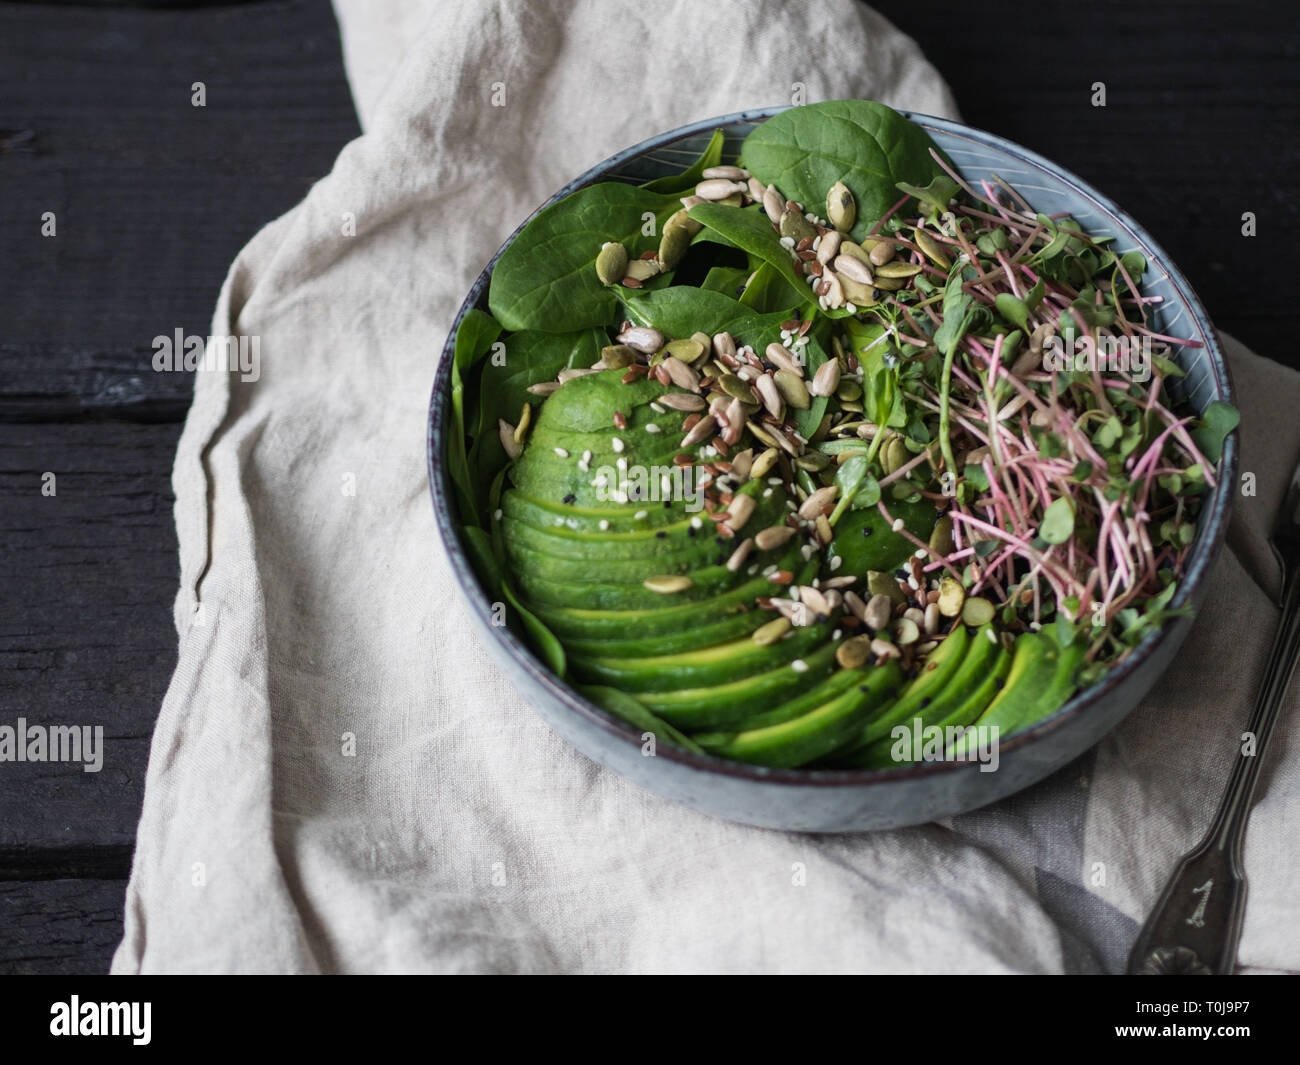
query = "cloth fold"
x=341 y=781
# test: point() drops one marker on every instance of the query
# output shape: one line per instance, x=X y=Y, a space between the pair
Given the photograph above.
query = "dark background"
x=154 y=198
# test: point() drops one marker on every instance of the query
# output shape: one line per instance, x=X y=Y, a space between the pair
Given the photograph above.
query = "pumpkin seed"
x=685 y=351
x=895 y=455
x=792 y=389
x=668 y=584
x=898 y=269
x=879 y=583
x=617 y=356
x=856 y=293
x=673 y=245
x=848 y=389
x=766 y=635
x=853 y=652
x=933 y=250
x=841 y=207
x=611 y=263
x=888 y=284
x=764 y=463
x=941 y=536
x=813 y=461
x=736 y=199
x=855 y=251
x=826 y=379
x=951 y=597
x=682 y=220
x=977 y=611
x=702 y=339
x=796 y=226
x=734 y=386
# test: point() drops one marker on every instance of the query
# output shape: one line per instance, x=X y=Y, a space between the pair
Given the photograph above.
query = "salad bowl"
x=847 y=800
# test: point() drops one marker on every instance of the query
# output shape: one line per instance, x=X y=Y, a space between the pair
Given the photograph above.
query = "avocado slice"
x=813 y=735
x=982 y=674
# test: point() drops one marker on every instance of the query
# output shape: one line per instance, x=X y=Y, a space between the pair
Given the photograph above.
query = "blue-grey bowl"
x=850 y=801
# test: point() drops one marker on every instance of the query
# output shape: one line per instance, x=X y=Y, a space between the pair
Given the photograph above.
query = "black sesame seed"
x=661 y=535
x=721 y=539
x=999 y=683
x=667 y=504
x=867 y=530
x=690 y=530
x=926 y=702
x=570 y=498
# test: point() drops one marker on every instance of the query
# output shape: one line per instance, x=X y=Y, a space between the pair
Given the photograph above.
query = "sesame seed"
x=497 y=515
x=616 y=444
x=836 y=562
x=604 y=525
x=898 y=525
x=561 y=452
x=799 y=665
x=641 y=515
x=652 y=428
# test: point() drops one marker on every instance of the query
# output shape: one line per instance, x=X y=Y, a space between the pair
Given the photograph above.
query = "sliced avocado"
x=627 y=708
x=982 y=674
x=684 y=639
x=729 y=704
x=803 y=703
x=1040 y=681
x=866 y=541
x=720 y=664
x=939 y=668
x=815 y=734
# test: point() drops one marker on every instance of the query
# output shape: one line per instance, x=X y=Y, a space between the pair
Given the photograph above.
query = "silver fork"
x=1196 y=925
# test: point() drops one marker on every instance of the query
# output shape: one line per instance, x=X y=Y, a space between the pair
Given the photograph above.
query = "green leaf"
x=676 y=184
x=1217 y=422
x=1058 y=521
x=1013 y=309
x=868 y=146
x=477 y=333
x=544 y=642
x=681 y=310
x=771 y=291
x=546 y=280
x=956 y=315
x=749 y=230
x=938 y=194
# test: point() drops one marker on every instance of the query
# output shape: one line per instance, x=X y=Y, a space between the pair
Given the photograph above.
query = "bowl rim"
x=1200 y=562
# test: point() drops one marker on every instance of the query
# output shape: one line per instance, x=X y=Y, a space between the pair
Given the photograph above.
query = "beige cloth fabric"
x=341 y=781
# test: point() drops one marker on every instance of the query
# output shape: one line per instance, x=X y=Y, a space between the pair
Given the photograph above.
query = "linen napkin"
x=341 y=781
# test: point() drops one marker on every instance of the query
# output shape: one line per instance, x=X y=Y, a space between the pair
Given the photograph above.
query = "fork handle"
x=1196 y=924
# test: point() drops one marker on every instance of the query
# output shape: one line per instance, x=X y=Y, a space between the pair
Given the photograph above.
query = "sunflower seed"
x=906 y=631
x=682 y=401
x=740 y=511
x=642 y=269
x=853 y=268
x=773 y=204
x=876 y=613
x=832 y=291
x=767 y=391
x=565 y=376
x=756 y=190
x=682 y=375
x=726 y=170
x=668 y=584
x=723 y=346
x=841 y=207
x=931 y=622
x=812 y=506
x=783 y=358
x=642 y=338
x=702 y=430
x=828 y=247
x=739 y=555
x=544 y=388
x=814 y=600
x=883 y=648
x=506 y=431
x=716 y=189
x=773 y=536
x=826 y=379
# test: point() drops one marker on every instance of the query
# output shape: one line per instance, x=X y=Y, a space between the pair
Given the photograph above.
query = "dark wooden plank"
x=152 y=196
x=59 y=927
x=87 y=638
x=1202 y=101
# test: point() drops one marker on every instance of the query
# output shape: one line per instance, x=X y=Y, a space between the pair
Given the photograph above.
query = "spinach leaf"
x=476 y=335
x=729 y=280
x=681 y=311
x=528 y=359
x=546 y=280
x=676 y=184
x=482 y=556
x=771 y=291
x=868 y=146
x=747 y=228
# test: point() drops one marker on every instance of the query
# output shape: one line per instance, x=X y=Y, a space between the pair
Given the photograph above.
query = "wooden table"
x=152 y=198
